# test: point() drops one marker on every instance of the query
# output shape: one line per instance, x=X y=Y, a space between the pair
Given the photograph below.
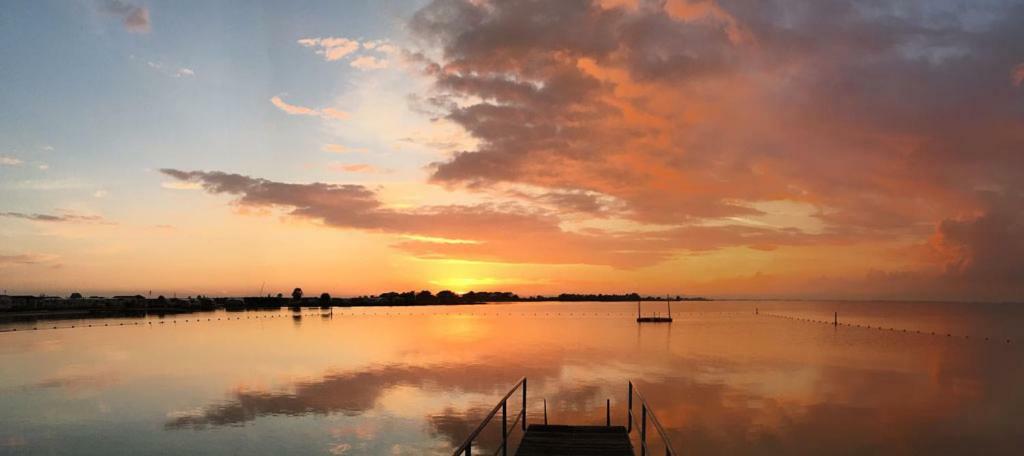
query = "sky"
x=785 y=148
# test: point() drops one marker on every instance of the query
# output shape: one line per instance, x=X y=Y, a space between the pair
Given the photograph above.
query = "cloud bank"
x=492 y=232
x=695 y=121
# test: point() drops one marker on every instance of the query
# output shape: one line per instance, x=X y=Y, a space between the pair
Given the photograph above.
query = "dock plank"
x=560 y=440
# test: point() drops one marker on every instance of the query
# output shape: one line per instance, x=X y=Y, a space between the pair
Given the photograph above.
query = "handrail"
x=467 y=446
x=645 y=410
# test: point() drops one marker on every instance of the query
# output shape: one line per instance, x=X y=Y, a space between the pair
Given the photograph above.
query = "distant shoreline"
x=31 y=308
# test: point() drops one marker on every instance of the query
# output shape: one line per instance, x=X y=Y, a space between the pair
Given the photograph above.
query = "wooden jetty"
x=568 y=440
x=640 y=318
x=541 y=439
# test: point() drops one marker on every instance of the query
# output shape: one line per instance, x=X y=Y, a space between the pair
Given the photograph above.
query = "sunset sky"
x=803 y=148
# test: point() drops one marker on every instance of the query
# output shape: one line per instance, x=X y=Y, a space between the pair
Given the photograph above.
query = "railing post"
x=545 y=411
x=629 y=413
x=469 y=449
x=643 y=429
x=608 y=412
x=504 y=427
x=524 y=404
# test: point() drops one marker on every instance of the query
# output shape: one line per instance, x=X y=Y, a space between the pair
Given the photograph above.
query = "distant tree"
x=447 y=297
x=297 y=294
x=76 y=295
x=424 y=296
x=325 y=299
x=279 y=296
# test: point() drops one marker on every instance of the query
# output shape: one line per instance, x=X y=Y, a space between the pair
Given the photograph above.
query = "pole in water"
x=835 y=319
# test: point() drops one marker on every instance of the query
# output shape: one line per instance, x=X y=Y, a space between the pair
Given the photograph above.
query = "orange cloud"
x=353 y=168
x=296 y=110
x=504 y=234
x=331 y=48
x=695 y=112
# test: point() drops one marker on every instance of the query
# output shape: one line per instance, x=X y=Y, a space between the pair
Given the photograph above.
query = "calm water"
x=417 y=380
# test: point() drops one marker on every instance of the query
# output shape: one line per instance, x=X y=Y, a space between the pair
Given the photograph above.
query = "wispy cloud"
x=495 y=233
x=334 y=114
x=1018 y=75
x=331 y=48
x=134 y=18
x=342 y=149
x=179 y=185
x=291 y=109
x=26 y=259
x=9 y=161
x=181 y=72
x=297 y=110
x=353 y=168
x=369 y=62
x=65 y=217
x=44 y=184
x=335 y=48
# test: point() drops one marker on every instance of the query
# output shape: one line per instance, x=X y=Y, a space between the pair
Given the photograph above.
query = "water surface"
x=417 y=380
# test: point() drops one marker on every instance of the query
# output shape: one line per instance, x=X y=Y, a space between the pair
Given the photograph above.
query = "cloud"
x=9 y=161
x=134 y=18
x=43 y=166
x=341 y=149
x=334 y=114
x=353 y=168
x=507 y=233
x=369 y=62
x=334 y=48
x=296 y=110
x=885 y=119
x=26 y=259
x=176 y=185
x=1018 y=75
x=66 y=217
x=101 y=193
x=182 y=72
x=985 y=252
x=44 y=185
x=331 y=48
x=348 y=392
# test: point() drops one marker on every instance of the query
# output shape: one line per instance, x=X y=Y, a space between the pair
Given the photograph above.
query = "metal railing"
x=467 y=446
x=646 y=411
